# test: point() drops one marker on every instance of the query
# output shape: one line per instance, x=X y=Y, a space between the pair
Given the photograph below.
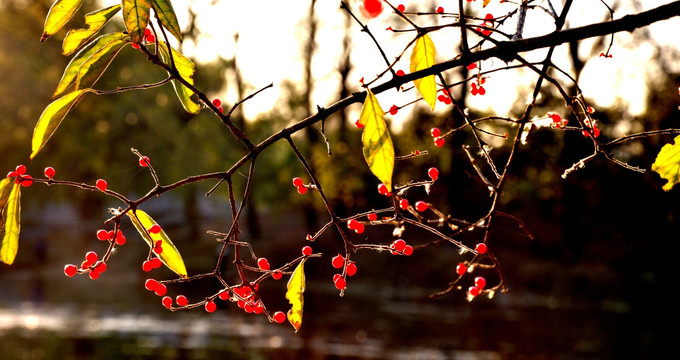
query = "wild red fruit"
x=102 y=235
x=91 y=257
x=49 y=172
x=224 y=295
x=147 y=265
x=401 y=7
x=160 y=289
x=26 y=181
x=371 y=8
x=263 y=263
x=481 y=248
x=408 y=250
x=338 y=261
x=439 y=141
x=158 y=249
x=70 y=270
x=302 y=190
x=210 y=306
x=400 y=73
x=94 y=274
x=351 y=269
x=101 y=184
x=156 y=263
x=155 y=229
x=217 y=102
x=461 y=269
x=136 y=46
x=433 y=173
x=394 y=110
x=340 y=283
x=167 y=301
x=480 y=282
x=101 y=267
x=399 y=245
x=144 y=161
x=472 y=66
x=151 y=284
x=20 y=169
x=277 y=275
x=358 y=124
x=279 y=317
x=435 y=131
x=421 y=206
x=120 y=238
x=403 y=204
x=440 y=10
x=473 y=291
x=297 y=182
x=307 y=250
x=382 y=190
x=372 y=217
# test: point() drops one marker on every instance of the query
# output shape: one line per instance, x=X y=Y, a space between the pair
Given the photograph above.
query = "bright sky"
x=269 y=47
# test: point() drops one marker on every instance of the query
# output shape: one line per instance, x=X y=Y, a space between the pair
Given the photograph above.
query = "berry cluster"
x=20 y=176
x=300 y=185
x=358 y=227
x=488 y=22
x=399 y=247
x=338 y=262
x=218 y=103
x=148 y=37
x=436 y=136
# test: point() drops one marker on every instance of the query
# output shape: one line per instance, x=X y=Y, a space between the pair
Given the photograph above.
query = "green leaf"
x=166 y=14
x=93 y=68
x=185 y=68
x=294 y=294
x=60 y=13
x=667 y=163
x=378 y=148
x=51 y=117
x=11 y=226
x=170 y=255
x=423 y=57
x=68 y=79
x=136 y=16
x=94 y=21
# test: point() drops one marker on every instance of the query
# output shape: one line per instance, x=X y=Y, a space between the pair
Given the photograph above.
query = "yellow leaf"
x=185 y=68
x=376 y=140
x=11 y=226
x=486 y=2
x=136 y=16
x=170 y=256
x=667 y=163
x=166 y=14
x=5 y=190
x=94 y=21
x=294 y=294
x=51 y=117
x=423 y=56
x=60 y=13
x=68 y=79
x=93 y=68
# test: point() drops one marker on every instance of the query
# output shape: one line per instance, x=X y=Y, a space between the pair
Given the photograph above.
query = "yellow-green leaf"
x=93 y=68
x=378 y=148
x=170 y=256
x=11 y=226
x=136 y=16
x=68 y=79
x=423 y=56
x=295 y=295
x=166 y=14
x=51 y=117
x=60 y=13
x=667 y=163
x=185 y=67
x=94 y=21
x=5 y=190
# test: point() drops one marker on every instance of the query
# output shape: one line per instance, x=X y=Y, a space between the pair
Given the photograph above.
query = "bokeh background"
x=594 y=281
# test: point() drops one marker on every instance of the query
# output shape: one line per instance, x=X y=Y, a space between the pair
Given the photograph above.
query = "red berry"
x=263 y=263
x=399 y=245
x=307 y=250
x=91 y=257
x=473 y=291
x=359 y=228
x=408 y=250
x=70 y=270
x=371 y=8
x=220 y=109
x=481 y=248
x=421 y=206
x=433 y=173
x=439 y=141
x=101 y=184
x=120 y=238
x=249 y=307
x=338 y=261
x=210 y=306
x=472 y=66
x=401 y=7
x=556 y=118
x=480 y=282
x=481 y=90
x=156 y=263
x=279 y=317
x=277 y=275
x=101 y=267
x=394 y=110
x=358 y=124
x=160 y=289
x=94 y=274
x=351 y=269
x=157 y=249
x=461 y=269
x=20 y=169
x=167 y=302
x=351 y=224
x=435 y=131
x=147 y=265
x=382 y=190
x=372 y=216
x=403 y=204
x=400 y=73
x=224 y=295
x=135 y=46
x=258 y=309
x=155 y=229
x=440 y=10
x=217 y=102
x=26 y=181
x=102 y=235
x=49 y=172
x=144 y=161
x=302 y=190
x=340 y=283
x=12 y=174
x=297 y=182
x=150 y=38
x=151 y=284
